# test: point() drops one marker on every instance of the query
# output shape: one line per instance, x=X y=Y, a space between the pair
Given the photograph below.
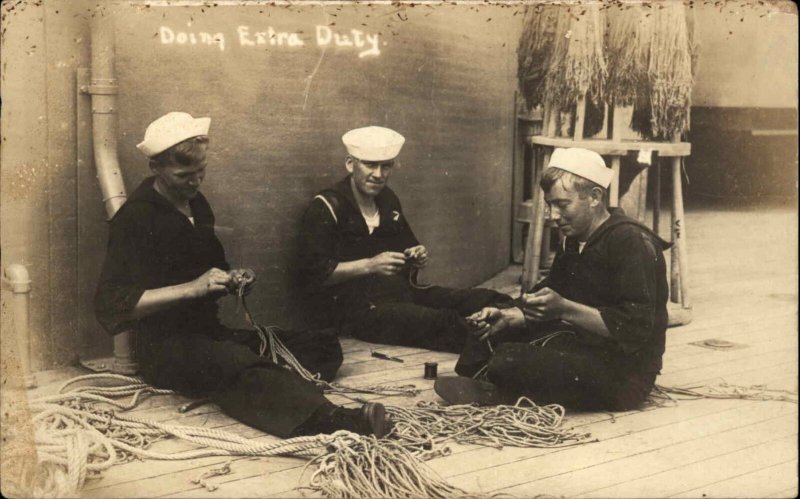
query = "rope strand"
x=722 y=390
x=280 y=355
x=82 y=430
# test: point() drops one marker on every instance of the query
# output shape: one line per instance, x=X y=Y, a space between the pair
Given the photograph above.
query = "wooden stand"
x=524 y=187
x=613 y=148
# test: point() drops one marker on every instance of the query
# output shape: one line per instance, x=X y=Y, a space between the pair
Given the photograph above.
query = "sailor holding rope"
x=358 y=250
x=163 y=273
x=590 y=335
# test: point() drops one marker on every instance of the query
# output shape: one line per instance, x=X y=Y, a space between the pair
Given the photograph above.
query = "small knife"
x=379 y=355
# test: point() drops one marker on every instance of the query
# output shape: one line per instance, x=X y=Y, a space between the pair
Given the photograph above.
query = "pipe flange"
x=103 y=89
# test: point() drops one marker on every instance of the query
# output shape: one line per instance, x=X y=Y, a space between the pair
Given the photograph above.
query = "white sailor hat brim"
x=583 y=163
x=170 y=129
x=373 y=143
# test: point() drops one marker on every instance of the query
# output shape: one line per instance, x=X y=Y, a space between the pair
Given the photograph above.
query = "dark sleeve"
x=129 y=266
x=544 y=283
x=519 y=301
x=215 y=249
x=637 y=266
x=407 y=235
x=552 y=277
x=318 y=236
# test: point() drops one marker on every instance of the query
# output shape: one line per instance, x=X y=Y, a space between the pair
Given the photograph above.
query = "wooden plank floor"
x=744 y=290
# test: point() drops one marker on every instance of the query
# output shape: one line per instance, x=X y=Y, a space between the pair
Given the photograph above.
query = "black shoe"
x=458 y=390
x=370 y=419
x=373 y=414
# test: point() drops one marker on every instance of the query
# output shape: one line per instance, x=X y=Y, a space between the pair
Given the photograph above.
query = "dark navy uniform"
x=622 y=273
x=185 y=347
x=378 y=308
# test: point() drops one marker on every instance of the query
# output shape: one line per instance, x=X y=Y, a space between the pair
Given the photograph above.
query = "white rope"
x=77 y=439
x=523 y=424
x=280 y=355
x=721 y=390
x=368 y=467
x=80 y=433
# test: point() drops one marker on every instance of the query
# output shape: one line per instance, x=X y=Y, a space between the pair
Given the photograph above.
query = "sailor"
x=591 y=335
x=358 y=249
x=164 y=271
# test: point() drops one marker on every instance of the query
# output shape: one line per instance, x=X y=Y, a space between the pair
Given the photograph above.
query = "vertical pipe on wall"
x=104 y=113
x=103 y=89
x=17 y=277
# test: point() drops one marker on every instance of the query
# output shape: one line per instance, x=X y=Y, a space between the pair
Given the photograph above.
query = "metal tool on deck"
x=379 y=355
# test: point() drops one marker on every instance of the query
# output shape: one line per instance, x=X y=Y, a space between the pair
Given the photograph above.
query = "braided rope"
x=77 y=439
x=523 y=424
x=722 y=390
x=280 y=355
x=368 y=467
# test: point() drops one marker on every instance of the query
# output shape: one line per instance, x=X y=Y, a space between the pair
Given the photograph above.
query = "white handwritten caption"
x=324 y=37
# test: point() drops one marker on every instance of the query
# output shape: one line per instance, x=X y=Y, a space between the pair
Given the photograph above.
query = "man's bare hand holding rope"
x=213 y=282
x=241 y=281
x=490 y=321
x=416 y=256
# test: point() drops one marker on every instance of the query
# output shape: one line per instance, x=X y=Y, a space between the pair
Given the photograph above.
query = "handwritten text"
x=366 y=44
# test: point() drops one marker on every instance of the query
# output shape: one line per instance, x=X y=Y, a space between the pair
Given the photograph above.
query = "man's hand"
x=241 y=277
x=386 y=263
x=214 y=282
x=488 y=322
x=417 y=256
x=544 y=305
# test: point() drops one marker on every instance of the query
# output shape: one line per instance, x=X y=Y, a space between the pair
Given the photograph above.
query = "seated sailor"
x=590 y=335
x=358 y=249
x=164 y=271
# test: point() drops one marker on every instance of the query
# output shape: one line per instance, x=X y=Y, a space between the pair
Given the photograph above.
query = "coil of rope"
x=77 y=439
x=523 y=424
x=83 y=431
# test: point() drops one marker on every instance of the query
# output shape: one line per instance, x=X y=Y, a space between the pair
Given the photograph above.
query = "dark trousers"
x=227 y=369
x=565 y=370
x=434 y=319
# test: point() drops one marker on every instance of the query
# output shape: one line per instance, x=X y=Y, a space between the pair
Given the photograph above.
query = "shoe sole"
x=376 y=414
x=458 y=390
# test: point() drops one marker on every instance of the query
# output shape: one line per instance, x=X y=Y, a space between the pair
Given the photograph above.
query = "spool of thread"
x=430 y=370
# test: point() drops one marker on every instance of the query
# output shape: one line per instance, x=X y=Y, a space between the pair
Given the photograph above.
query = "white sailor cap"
x=583 y=163
x=170 y=129
x=373 y=143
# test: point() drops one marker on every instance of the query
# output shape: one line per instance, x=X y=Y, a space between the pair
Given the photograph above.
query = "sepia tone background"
x=445 y=78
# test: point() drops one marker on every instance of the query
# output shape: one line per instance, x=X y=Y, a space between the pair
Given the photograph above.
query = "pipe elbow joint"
x=18 y=277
